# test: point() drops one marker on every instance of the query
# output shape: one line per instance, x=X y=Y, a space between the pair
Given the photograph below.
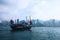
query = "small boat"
x=21 y=26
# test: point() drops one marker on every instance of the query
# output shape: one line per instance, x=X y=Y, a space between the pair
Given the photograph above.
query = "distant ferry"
x=21 y=26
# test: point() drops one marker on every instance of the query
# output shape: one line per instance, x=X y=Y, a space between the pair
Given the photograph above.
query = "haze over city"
x=37 y=9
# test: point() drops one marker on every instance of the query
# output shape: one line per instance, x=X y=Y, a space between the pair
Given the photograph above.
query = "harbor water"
x=36 y=33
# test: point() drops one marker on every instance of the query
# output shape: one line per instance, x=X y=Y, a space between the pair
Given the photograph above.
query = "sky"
x=37 y=9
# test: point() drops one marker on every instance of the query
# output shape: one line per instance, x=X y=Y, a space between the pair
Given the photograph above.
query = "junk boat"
x=23 y=25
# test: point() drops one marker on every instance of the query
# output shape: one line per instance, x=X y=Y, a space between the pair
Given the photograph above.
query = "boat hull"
x=15 y=27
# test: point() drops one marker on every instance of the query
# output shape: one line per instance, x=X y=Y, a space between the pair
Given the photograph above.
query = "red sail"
x=11 y=21
x=30 y=22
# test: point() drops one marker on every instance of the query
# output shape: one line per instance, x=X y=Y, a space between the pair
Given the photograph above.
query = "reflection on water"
x=36 y=33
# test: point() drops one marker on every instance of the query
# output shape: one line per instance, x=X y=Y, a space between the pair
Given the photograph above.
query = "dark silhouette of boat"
x=21 y=26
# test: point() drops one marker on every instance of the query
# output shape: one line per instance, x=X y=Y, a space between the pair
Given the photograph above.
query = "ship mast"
x=26 y=18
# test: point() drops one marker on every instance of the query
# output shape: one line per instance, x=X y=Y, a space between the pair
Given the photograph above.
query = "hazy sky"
x=37 y=9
